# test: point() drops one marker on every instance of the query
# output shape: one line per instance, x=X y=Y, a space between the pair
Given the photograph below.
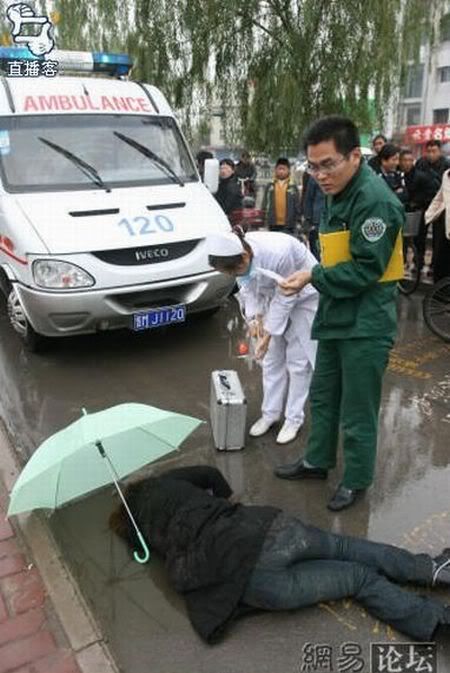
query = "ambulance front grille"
x=149 y=254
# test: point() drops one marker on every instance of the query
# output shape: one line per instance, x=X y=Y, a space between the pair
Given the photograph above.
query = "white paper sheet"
x=270 y=274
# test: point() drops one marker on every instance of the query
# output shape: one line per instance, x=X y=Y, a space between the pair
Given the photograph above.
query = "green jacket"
x=353 y=303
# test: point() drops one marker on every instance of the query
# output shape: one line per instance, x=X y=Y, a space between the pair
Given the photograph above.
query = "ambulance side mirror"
x=211 y=175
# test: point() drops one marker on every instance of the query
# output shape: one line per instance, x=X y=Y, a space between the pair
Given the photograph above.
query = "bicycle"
x=436 y=309
x=408 y=284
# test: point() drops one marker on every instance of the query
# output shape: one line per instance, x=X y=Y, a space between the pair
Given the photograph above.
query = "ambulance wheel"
x=33 y=341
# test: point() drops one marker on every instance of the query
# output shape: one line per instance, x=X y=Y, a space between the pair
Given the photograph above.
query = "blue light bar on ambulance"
x=120 y=63
x=73 y=61
x=15 y=54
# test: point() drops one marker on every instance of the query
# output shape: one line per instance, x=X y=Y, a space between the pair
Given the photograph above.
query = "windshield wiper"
x=84 y=167
x=150 y=155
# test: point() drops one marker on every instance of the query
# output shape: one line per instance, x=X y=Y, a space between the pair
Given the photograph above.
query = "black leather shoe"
x=344 y=497
x=298 y=470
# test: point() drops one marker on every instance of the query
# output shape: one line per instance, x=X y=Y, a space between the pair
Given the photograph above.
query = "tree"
x=274 y=64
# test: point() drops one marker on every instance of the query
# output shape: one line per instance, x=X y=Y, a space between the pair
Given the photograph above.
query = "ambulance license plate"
x=158 y=317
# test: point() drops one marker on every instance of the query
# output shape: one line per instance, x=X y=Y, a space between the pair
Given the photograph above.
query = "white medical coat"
x=261 y=296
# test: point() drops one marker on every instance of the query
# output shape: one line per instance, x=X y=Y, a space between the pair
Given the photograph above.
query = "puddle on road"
x=170 y=368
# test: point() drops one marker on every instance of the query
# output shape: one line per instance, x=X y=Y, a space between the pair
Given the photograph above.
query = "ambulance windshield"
x=30 y=165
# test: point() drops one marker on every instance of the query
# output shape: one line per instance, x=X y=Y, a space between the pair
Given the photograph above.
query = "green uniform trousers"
x=346 y=391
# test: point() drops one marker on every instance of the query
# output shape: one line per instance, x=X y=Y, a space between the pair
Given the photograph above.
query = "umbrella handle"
x=144 y=555
x=141 y=557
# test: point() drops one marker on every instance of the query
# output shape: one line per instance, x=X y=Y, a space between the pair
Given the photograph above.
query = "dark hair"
x=283 y=161
x=203 y=155
x=404 y=152
x=228 y=162
x=231 y=263
x=387 y=151
x=433 y=143
x=341 y=130
x=245 y=155
x=379 y=135
x=118 y=522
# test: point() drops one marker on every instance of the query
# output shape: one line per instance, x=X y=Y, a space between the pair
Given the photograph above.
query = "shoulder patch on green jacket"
x=373 y=229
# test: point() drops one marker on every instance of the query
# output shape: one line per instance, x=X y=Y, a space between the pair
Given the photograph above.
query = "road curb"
x=83 y=634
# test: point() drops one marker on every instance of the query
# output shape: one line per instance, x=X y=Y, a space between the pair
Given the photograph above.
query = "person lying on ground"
x=227 y=558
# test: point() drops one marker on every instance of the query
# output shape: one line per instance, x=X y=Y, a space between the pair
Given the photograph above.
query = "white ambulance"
x=103 y=216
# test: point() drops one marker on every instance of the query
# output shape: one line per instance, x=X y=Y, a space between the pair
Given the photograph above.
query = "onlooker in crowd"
x=246 y=171
x=226 y=558
x=435 y=164
x=439 y=211
x=281 y=204
x=312 y=205
x=229 y=194
x=360 y=237
x=389 y=159
x=377 y=144
x=201 y=158
x=418 y=183
x=420 y=190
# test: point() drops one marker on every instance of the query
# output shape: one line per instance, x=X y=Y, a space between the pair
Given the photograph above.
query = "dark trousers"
x=300 y=565
x=346 y=392
x=441 y=250
x=313 y=238
x=421 y=241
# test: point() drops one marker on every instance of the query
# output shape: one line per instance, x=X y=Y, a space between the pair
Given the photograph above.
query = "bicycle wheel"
x=436 y=309
x=411 y=277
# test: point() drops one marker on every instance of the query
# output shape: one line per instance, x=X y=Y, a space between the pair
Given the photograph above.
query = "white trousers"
x=287 y=371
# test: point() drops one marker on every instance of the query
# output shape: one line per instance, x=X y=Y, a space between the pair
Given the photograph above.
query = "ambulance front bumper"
x=53 y=313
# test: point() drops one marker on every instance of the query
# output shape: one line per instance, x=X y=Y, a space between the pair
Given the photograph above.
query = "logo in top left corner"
x=30 y=29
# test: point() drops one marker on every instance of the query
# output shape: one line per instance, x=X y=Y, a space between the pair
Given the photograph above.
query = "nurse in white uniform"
x=282 y=324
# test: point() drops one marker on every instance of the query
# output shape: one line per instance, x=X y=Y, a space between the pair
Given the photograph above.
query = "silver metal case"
x=228 y=410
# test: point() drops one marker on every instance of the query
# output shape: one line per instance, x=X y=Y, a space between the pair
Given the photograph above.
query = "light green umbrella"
x=71 y=463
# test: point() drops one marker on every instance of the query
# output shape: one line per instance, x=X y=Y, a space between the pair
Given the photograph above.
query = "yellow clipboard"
x=335 y=249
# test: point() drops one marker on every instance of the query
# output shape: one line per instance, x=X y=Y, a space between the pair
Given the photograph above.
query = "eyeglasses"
x=327 y=168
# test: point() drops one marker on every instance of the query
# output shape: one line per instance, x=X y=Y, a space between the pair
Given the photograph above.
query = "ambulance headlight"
x=57 y=275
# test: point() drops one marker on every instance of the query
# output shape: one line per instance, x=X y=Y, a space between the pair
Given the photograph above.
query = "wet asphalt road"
x=143 y=618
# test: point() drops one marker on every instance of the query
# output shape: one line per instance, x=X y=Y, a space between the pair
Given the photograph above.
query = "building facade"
x=424 y=105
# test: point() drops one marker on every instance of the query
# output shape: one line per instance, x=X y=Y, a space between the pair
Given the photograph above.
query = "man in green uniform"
x=361 y=258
